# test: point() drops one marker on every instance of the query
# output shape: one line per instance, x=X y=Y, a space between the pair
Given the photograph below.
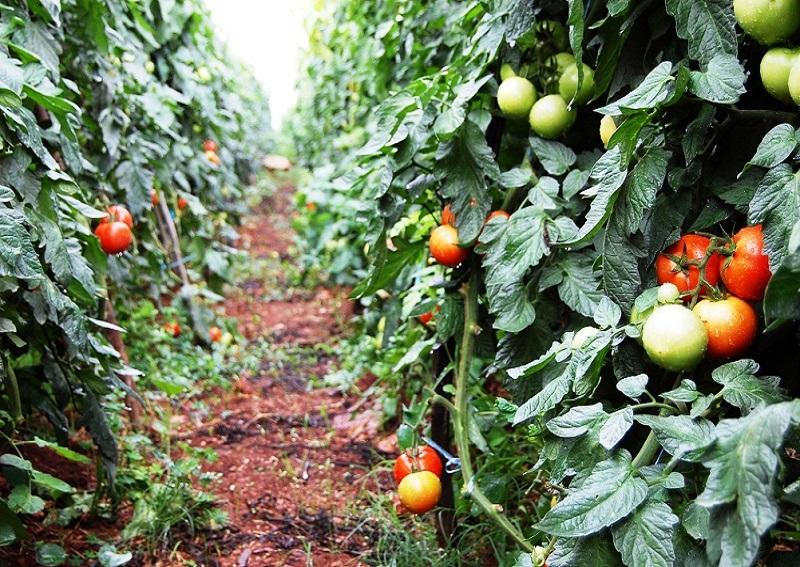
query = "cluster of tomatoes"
x=721 y=323
x=553 y=114
x=210 y=151
x=774 y=22
x=444 y=243
x=115 y=230
x=173 y=328
x=418 y=473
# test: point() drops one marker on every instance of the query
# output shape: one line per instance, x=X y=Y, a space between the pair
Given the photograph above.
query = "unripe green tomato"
x=507 y=71
x=203 y=74
x=226 y=339
x=674 y=337
x=550 y=117
x=775 y=68
x=515 y=97
x=150 y=67
x=794 y=82
x=562 y=61
x=768 y=21
x=668 y=293
x=582 y=336
x=568 y=84
x=607 y=129
x=556 y=31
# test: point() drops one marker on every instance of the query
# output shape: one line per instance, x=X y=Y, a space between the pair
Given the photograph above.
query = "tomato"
x=422 y=459
x=121 y=214
x=420 y=491
x=794 y=82
x=448 y=216
x=515 y=97
x=746 y=272
x=582 y=336
x=550 y=117
x=210 y=145
x=426 y=318
x=173 y=328
x=212 y=158
x=607 y=129
x=775 y=68
x=115 y=236
x=568 y=84
x=311 y=207
x=731 y=325
x=498 y=213
x=674 y=337
x=444 y=246
x=768 y=21
x=561 y=61
x=690 y=249
x=182 y=203
x=215 y=334
x=154 y=198
x=507 y=71
x=668 y=293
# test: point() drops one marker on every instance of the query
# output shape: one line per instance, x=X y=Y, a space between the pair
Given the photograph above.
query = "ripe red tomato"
x=182 y=203
x=444 y=246
x=448 y=216
x=690 y=250
x=210 y=145
x=420 y=491
x=426 y=318
x=495 y=214
x=121 y=214
x=746 y=272
x=173 y=328
x=115 y=237
x=215 y=334
x=422 y=459
x=154 y=197
x=731 y=325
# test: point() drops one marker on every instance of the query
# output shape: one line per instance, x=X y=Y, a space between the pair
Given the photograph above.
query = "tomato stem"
x=461 y=416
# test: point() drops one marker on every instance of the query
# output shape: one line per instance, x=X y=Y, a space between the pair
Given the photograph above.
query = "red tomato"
x=448 y=216
x=422 y=459
x=210 y=145
x=115 y=237
x=182 y=203
x=444 y=246
x=420 y=491
x=689 y=250
x=173 y=328
x=311 y=207
x=215 y=334
x=746 y=272
x=121 y=214
x=495 y=214
x=731 y=325
x=426 y=318
x=154 y=197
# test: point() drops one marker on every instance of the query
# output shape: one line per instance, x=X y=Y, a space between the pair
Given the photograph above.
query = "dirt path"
x=293 y=461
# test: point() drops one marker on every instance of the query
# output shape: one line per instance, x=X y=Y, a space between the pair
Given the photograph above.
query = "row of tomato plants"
x=109 y=111
x=623 y=142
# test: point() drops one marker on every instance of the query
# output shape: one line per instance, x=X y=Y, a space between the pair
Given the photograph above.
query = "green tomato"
x=550 y=117
x=515 y=97
x=582 y=336
x=556 y=31
x=794 y=82
x=768 y=21
x=562 y=61
x=674 y=337
x=668 y=293
x=150 y=67
x=568 y=84
x=775 y=68
x=507 y=71
x=607 y=129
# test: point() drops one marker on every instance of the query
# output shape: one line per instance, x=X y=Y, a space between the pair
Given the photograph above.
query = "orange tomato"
x=731 y=325
x=444 y=246
x=495 y=214
x=448 y=216
x=215 y=334
x=182 y=203
x=420 y=491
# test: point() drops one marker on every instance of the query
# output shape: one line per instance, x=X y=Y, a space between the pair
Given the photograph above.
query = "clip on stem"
x=452 y=464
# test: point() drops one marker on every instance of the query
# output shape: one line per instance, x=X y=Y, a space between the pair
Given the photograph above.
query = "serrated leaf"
x=680 y=435
x=633 y=386
x=656 y=88
x=645 y=539
x=778 y=144
x=616 y=427
x=743 y=389
x=555 y=157
x=708 y=25
x=722 y=82
x=577 y=421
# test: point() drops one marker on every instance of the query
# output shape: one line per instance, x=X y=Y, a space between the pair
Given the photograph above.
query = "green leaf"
x=776 y=204
x=708 y=25
x=51 y=483
x=607 y=496
x=548 y=398
x=615 y=428
x=22 y=501
x=782 y=300
x=680 y=435
x=596 y=551
x=387 y=266
x=633 y=386
x=50 y=555
x=577 y=421
x=723 y=81
x=555 y=157
x=62 y=451
x=453 y=117
x=137 y=182
x=743 y=389
x=778 y=144
x=645 y=539
x=657 y=88
x=579 y=288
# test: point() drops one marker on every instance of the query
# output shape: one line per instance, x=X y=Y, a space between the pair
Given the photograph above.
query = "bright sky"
x=269 y=36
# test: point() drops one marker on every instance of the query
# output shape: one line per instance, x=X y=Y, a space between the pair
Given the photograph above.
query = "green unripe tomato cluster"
x=776 y=67
x=515 y=97
x=768 y=21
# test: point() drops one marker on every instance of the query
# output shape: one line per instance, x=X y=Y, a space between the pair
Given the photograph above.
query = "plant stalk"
x=461 y=417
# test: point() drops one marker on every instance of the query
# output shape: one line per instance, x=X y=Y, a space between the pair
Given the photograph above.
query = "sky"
x=269 y=36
